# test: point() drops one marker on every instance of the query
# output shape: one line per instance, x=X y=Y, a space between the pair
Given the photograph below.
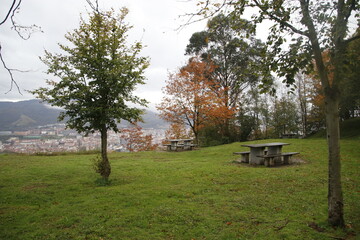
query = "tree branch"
x=346 y=41
x=24 y=32
x=94 y=7
x=9 y=12
x=278 y=20
x=10 y=71
x=308 y=22
x=351 y=7
x=203 y=9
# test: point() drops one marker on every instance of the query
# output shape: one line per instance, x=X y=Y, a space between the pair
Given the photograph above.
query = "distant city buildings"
x=56 y=138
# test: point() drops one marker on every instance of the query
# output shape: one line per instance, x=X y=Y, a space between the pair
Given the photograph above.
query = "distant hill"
x=24 y=115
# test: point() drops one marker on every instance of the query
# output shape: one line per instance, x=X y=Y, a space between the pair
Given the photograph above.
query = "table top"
x=261 y=145
x=179 y=140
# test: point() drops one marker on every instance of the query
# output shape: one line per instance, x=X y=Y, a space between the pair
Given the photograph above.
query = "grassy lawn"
x=186 y=195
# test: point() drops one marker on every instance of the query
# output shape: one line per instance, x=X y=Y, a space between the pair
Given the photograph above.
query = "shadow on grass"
x=102 y=182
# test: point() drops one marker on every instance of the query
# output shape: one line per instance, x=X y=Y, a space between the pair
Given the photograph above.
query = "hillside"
x=348 y=129
x=198 y=194
x=24 y=115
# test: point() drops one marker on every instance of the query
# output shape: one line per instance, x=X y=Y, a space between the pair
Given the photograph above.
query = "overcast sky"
x=154 y=23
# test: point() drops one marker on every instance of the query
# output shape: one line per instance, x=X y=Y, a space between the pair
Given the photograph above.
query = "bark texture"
x=104 y=166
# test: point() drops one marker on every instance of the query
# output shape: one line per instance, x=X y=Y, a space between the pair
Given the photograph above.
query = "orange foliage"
x=136 y=141
x=326 y=57
x=317 y=100
x=193 y=97
x=177 y=131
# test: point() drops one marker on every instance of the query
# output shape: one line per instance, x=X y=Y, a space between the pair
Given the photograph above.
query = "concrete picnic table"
x=257 y=150
x=175 y=144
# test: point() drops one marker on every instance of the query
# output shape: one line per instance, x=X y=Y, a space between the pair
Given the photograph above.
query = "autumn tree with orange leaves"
x=193 y=98
x=177 y=131
x=136 y=141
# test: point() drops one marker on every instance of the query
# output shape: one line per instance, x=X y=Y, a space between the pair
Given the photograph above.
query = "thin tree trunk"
x=105 y=168
x=335 y=197
x=332 y=96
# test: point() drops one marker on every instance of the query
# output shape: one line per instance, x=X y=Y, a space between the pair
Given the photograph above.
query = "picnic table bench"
x=244 y=156
x=269 y=158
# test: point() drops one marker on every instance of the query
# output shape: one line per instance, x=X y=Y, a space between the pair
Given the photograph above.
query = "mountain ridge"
x=24 y=115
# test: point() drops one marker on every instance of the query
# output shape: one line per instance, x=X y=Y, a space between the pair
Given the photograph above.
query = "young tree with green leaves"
x=311 y=28
x=98 y=73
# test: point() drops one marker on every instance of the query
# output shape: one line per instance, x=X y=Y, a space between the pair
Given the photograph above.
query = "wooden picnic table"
x=258 y=150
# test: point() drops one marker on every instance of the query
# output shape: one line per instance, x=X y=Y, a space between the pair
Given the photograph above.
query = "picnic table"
x=176 y=144
x=257 y=154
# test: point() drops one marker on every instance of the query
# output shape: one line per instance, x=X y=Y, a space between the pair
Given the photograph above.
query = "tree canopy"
x=98 y=73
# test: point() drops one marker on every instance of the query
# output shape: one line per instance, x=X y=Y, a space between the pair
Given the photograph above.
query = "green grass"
x=187 y=195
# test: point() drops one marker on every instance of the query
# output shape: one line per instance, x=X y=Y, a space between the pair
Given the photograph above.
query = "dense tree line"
x=235 y=80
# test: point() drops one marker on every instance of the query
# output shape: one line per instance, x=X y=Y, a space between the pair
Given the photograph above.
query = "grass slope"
x=349 y=129
x=186 y=195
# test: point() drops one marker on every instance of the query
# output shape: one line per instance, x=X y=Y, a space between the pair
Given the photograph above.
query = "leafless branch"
x=10 y=71
x=24 y=32
x=11 y=10
x=204 y=12
x=94 y=7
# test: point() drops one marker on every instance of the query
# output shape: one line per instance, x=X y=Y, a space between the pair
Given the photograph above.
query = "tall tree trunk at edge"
x=335 y=197
x=332 y=96
x=105 y=168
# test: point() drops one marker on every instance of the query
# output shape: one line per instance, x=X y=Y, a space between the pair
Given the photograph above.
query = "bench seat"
x=269 y=159
x=244 y=156
x=192 y=146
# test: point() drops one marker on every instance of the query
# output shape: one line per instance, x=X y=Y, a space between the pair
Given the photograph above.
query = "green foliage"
x=98 y=73
x=285 y=117
x=350 y=97
x=210 y=136
x=102 y=182
x=187 y=195
x=97 y=164
x=229 y=43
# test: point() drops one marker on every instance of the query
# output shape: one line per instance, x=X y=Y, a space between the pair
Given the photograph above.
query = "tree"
x=312 y=27
x=177 y=131
x=285 y=117
x=305 y=90
x=190 y=98
x=316 y=116
x=98 y=73
x=136 y=141
x=229 y=43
